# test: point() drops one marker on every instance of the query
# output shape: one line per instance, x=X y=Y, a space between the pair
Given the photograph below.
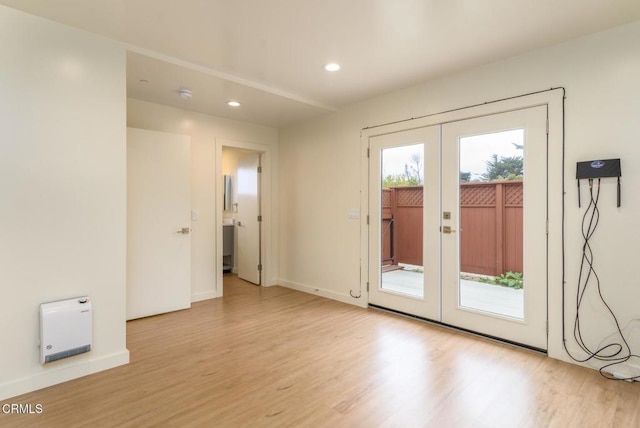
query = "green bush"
x=509 y=279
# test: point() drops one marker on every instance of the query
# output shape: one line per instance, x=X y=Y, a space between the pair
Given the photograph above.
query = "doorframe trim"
x=553 y=98
x=268 y=274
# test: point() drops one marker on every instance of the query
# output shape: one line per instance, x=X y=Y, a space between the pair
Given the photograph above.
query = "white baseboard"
x=271 y=282
x=329 y=294
x=205 y=295
x=53 y=376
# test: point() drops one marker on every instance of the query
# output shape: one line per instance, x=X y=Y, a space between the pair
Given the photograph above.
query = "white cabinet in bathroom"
x=227 y=247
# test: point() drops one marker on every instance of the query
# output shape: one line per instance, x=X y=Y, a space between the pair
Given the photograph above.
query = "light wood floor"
x=278 y=357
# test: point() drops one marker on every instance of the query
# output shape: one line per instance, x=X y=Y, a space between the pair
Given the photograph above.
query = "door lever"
x=184 y=231
x=447 y=229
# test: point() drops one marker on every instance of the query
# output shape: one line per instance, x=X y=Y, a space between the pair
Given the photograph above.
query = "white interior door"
x=158 y=222
x=497 y=224
x=404 y=240
x=248 y=224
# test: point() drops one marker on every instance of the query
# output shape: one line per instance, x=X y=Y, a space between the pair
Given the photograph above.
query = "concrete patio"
x=475 y=295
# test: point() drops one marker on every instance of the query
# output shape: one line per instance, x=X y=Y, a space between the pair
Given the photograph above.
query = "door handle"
x=184 y=231
x=447 y=229
x=239 y=223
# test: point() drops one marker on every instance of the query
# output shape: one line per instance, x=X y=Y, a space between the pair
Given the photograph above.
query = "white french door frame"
x=553 y=99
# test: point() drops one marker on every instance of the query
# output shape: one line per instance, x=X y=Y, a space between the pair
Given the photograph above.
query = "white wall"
x=204 y=131
x=320 y=170
x=63 y=193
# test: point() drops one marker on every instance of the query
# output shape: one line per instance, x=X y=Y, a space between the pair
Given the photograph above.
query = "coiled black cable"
x=613 y=353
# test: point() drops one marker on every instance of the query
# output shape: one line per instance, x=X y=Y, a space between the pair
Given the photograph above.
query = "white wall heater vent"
x=65 y=328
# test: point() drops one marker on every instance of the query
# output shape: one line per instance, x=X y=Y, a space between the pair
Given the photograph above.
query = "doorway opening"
x=243 y=213
x=241 y=216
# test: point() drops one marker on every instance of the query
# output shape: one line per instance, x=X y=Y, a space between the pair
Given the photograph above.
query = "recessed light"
x=332 y=67
x=144 y=81
x=233 y=104
x=186 y=94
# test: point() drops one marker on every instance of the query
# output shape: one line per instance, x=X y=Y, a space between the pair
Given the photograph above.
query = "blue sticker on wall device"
x=597 y=164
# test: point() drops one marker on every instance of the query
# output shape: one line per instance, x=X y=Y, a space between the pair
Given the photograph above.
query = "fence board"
x=477 y=240
x=491 y=236
x=387 y=219
x=513 y=239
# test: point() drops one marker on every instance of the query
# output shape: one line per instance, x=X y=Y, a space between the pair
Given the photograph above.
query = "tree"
x=393 y=180
x=503 y=168
x=416 y=167
x=410 y=177
x=399 y=180
x=465 y=177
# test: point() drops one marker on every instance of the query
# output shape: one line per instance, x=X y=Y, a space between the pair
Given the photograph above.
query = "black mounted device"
x=598 y=169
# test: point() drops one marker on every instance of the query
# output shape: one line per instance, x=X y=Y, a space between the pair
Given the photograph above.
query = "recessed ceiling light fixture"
x=233 y=104
x=332 y=66
x=186 y=94
x=144 y=81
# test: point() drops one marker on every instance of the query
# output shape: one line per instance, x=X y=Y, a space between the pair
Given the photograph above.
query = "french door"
x=458 y=224
x=409 y=234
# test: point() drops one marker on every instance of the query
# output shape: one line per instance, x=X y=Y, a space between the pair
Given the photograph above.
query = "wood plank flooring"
x=274 y=357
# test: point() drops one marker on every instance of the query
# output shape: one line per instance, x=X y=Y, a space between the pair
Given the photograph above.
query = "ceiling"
x=269 y=54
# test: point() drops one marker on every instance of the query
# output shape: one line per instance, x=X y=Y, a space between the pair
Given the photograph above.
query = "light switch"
x=195 y=215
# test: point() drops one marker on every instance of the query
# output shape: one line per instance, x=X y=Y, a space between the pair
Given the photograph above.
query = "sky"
x=475 y=151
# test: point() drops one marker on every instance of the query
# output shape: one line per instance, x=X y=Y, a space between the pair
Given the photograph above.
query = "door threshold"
x=460 y=329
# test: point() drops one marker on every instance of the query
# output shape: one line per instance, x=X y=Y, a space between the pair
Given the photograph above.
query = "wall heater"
x=65 y=328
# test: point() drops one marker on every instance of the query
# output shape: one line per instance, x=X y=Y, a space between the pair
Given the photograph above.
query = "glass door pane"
x=402 y=187
x=491 y=210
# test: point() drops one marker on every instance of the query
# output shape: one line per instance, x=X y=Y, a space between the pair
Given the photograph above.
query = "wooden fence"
x=491 y=235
